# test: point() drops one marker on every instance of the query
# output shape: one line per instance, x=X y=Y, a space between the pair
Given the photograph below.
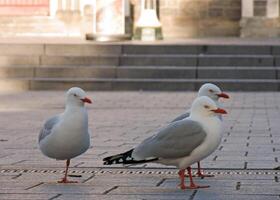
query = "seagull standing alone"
x=181 y=143
x=66 y=135
x=213 y=92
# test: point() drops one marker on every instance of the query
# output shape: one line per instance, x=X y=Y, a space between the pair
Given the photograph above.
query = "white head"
x=75 y=96
x=212 y=91
x=204 y=106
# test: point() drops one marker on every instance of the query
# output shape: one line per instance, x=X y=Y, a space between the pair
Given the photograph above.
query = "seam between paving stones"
x=55 y=197
x=140 y=171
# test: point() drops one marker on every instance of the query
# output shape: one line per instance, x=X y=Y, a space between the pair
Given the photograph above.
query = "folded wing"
x=48 y=126
x=177 y=140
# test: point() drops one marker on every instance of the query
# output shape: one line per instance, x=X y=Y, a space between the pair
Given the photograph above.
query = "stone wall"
x=198 y=18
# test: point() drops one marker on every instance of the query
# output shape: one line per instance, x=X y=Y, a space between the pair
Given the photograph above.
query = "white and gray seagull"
x=66 y=135
x=181 y=143
x=210 y=90
x=215 y=93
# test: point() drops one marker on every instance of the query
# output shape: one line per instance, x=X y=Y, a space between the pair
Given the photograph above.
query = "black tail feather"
x=124 y=158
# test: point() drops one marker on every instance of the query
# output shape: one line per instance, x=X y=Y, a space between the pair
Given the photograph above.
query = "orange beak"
x=223 y=95
x=86 y=100
x=220 y=111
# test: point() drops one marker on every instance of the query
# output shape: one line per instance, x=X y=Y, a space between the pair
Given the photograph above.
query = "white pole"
x=272 y=8
x=247 y=8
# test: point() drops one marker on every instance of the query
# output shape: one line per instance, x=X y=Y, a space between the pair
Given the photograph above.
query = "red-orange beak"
x=223 y=95
x=86 y=100
x=220 y=111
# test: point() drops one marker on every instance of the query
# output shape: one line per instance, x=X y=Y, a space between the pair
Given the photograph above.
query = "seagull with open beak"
x=181 y=143
x=215 y=93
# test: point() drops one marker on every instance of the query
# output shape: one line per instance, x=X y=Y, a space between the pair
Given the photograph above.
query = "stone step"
x=116 y=66
x=114 y=72
x=198 y=72
x=36 y=60
x=158 y=60
x=19 y=60
x=140 y=72
x=93 y=49
x=161 y=49
x=137 y=84
x=79 y=60
x=236 y=60
x=114 y=60
x=16 y=72
x=82 y=50
x=97 y=72
x=59 y=49
x=156 y=72
x=237 y=72
x=193 y=60
x=58 y=72
x=21 y=49
x=238 y=49
x=200 y=49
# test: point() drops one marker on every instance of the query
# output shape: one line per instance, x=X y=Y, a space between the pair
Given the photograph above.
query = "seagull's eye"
x=75 y=95
x=206 y=106
x=211 y=91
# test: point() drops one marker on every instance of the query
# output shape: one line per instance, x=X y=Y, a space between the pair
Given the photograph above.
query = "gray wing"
x=177 y=140
x=183 y=116
x=48 y=126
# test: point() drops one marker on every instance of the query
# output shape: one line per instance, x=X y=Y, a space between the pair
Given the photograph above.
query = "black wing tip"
x=106 y=159
x=106 y=163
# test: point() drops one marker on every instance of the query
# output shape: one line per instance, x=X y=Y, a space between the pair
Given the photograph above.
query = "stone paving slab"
x=242 y=164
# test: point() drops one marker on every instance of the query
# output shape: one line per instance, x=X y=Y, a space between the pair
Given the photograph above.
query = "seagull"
x=66 y=135
x=180 y=143
x=214 y=92
x=210 y=90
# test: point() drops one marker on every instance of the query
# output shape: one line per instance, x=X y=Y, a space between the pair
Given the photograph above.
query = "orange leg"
x=199 y=172
x=64 y=179
x=192 y=184
x=181 y=174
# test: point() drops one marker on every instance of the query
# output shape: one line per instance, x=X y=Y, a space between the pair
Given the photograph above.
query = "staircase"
x=127 y=66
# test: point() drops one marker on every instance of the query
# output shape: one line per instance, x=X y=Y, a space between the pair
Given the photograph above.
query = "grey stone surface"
x=276 y=50
x=74 y=72
x=21 y=49
x=79 y=60
x=277 y=61
x=125 y=84
x=238 y=49
x=62 y=84
x=81 y=49
x=155 y=60
x=25 y=60
x=242 y=165
x=234 y=60
x=157 y=72
x=237 y=72
x=16 y=72
x=162 y=49
x=177 y=65
x=154 y=84
x=244 y=84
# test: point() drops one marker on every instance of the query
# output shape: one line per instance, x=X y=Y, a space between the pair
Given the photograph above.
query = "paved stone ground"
x=242 y=165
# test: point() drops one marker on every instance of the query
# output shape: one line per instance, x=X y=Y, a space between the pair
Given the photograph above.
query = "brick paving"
x=242 y=165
